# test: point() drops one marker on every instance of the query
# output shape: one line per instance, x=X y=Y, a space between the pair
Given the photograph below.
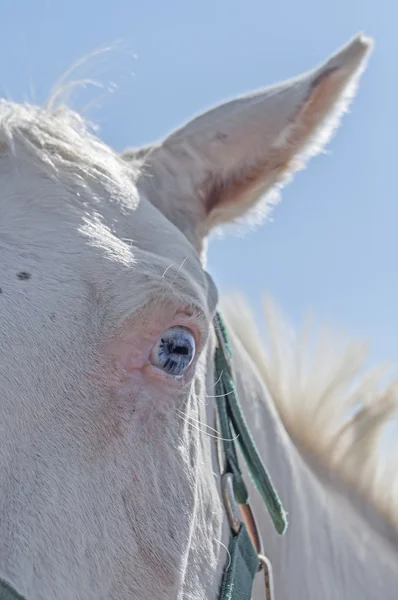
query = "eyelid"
x=157 y=315
x=194 y=319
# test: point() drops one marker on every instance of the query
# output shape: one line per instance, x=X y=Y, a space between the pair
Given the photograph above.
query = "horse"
x=111 y=340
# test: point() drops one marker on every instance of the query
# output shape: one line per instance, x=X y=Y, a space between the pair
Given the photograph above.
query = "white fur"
x=110 y=495
x=86 y=512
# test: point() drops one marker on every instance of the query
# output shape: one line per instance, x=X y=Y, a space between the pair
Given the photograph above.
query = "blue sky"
x=332 y=245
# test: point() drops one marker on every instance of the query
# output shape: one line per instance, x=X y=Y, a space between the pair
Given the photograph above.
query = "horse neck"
x=329 y=550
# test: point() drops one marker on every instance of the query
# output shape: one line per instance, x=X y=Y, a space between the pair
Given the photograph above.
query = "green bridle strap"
x=237 y=583
x=243 y=560
x=230 y=413
x=8 y=593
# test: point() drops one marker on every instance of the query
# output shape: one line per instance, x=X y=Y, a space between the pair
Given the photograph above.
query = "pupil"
x=173 y=349
x=181 y=350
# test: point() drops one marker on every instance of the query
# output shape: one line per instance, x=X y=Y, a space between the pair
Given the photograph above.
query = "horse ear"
x=215 y=169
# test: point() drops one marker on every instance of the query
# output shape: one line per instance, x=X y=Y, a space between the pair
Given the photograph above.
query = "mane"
x=337 y=413
x=59 y=141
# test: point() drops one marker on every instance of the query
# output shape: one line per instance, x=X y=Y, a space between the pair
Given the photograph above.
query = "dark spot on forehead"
x=1 y=291
x=23 y=275
x=221 y=136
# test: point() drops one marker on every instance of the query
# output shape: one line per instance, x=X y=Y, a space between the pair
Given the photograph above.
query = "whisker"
x=180 y=267
x=169 y=267
x=216 y=437
x=199 y=399
x=228 y=552
x=220 y=395
x=197 y=421
x=218 y=380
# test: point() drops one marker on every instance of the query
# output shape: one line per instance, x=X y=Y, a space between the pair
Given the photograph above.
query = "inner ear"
x=228 y=195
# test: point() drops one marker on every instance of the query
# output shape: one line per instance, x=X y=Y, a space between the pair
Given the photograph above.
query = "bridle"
x=246 y=555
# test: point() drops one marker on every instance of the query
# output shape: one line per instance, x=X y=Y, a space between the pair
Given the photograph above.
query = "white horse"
x=108 y=472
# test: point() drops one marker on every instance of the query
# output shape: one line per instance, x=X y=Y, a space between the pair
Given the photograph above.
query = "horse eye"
x=174 y=351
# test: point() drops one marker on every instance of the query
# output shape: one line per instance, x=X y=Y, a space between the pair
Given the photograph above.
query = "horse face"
x=98 y=458
x=107 y=485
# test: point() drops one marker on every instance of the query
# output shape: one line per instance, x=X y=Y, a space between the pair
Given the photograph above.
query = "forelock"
x=61 y=144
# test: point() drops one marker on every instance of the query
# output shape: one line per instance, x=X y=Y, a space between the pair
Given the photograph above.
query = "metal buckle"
x=238 y=513
x=268 y=577
x=231 y=506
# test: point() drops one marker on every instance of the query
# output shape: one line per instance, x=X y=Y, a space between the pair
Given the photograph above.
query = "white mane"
x=336 y=413
x=60 y=142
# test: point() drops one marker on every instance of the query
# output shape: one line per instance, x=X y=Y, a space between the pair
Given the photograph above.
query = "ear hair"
x=216 y=168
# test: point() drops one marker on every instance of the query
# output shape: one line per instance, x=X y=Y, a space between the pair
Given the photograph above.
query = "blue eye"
x=174 y=351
